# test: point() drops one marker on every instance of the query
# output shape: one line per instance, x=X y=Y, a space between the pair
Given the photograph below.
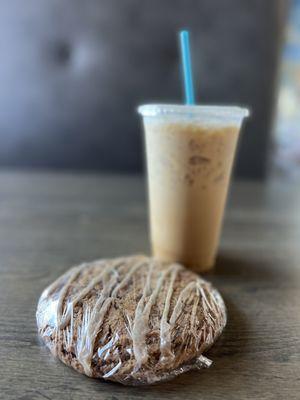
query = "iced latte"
x=190 y=152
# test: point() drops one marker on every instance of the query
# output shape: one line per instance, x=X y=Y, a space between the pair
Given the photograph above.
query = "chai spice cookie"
x=134 y=320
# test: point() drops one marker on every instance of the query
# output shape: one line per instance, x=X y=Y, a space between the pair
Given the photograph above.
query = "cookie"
x=134 y=320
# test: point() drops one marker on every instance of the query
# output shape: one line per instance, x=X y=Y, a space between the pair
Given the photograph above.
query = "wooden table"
x=49 y=222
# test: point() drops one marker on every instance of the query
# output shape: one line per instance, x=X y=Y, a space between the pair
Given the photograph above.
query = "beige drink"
x=190 y=152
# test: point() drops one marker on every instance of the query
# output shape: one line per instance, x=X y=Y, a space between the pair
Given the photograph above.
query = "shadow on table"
x=246 y=268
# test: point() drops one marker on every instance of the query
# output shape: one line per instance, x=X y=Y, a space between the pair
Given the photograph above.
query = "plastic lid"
x=203 y=113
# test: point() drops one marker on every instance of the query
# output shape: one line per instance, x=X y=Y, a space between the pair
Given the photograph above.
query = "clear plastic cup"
x=190 y=152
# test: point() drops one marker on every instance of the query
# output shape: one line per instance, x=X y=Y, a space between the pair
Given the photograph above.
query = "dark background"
x=72 y=73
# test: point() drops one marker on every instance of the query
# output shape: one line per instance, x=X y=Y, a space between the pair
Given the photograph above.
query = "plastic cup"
x=190 y=152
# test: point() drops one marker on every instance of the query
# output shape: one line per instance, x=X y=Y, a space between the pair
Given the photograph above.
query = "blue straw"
x=187 y=67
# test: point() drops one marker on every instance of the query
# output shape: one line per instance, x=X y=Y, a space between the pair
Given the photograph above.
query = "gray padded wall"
x=73 y=71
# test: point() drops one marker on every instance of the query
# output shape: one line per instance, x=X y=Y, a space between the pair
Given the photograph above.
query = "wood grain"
x=49 y=222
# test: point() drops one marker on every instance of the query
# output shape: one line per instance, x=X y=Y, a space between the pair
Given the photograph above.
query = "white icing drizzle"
x=183 y=296
x=104 y=350
x=64 y=291
x=81 y=330
x=210 y=307
x=193 y=321
x=139 y=329
x=108 y=294
x=191 y=293
x=88 y=339
x=58 y=282
x=68 y=332
x=84 y=292
x=218 y=321
x=196 y=292
x=127 y=277
x=113 y=370
x=165 y=328
x=142 y=313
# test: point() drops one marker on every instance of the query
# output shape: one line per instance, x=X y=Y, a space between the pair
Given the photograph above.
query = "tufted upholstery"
x=73 y=71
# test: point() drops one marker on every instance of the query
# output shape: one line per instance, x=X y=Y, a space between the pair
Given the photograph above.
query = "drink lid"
x=196 y=112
